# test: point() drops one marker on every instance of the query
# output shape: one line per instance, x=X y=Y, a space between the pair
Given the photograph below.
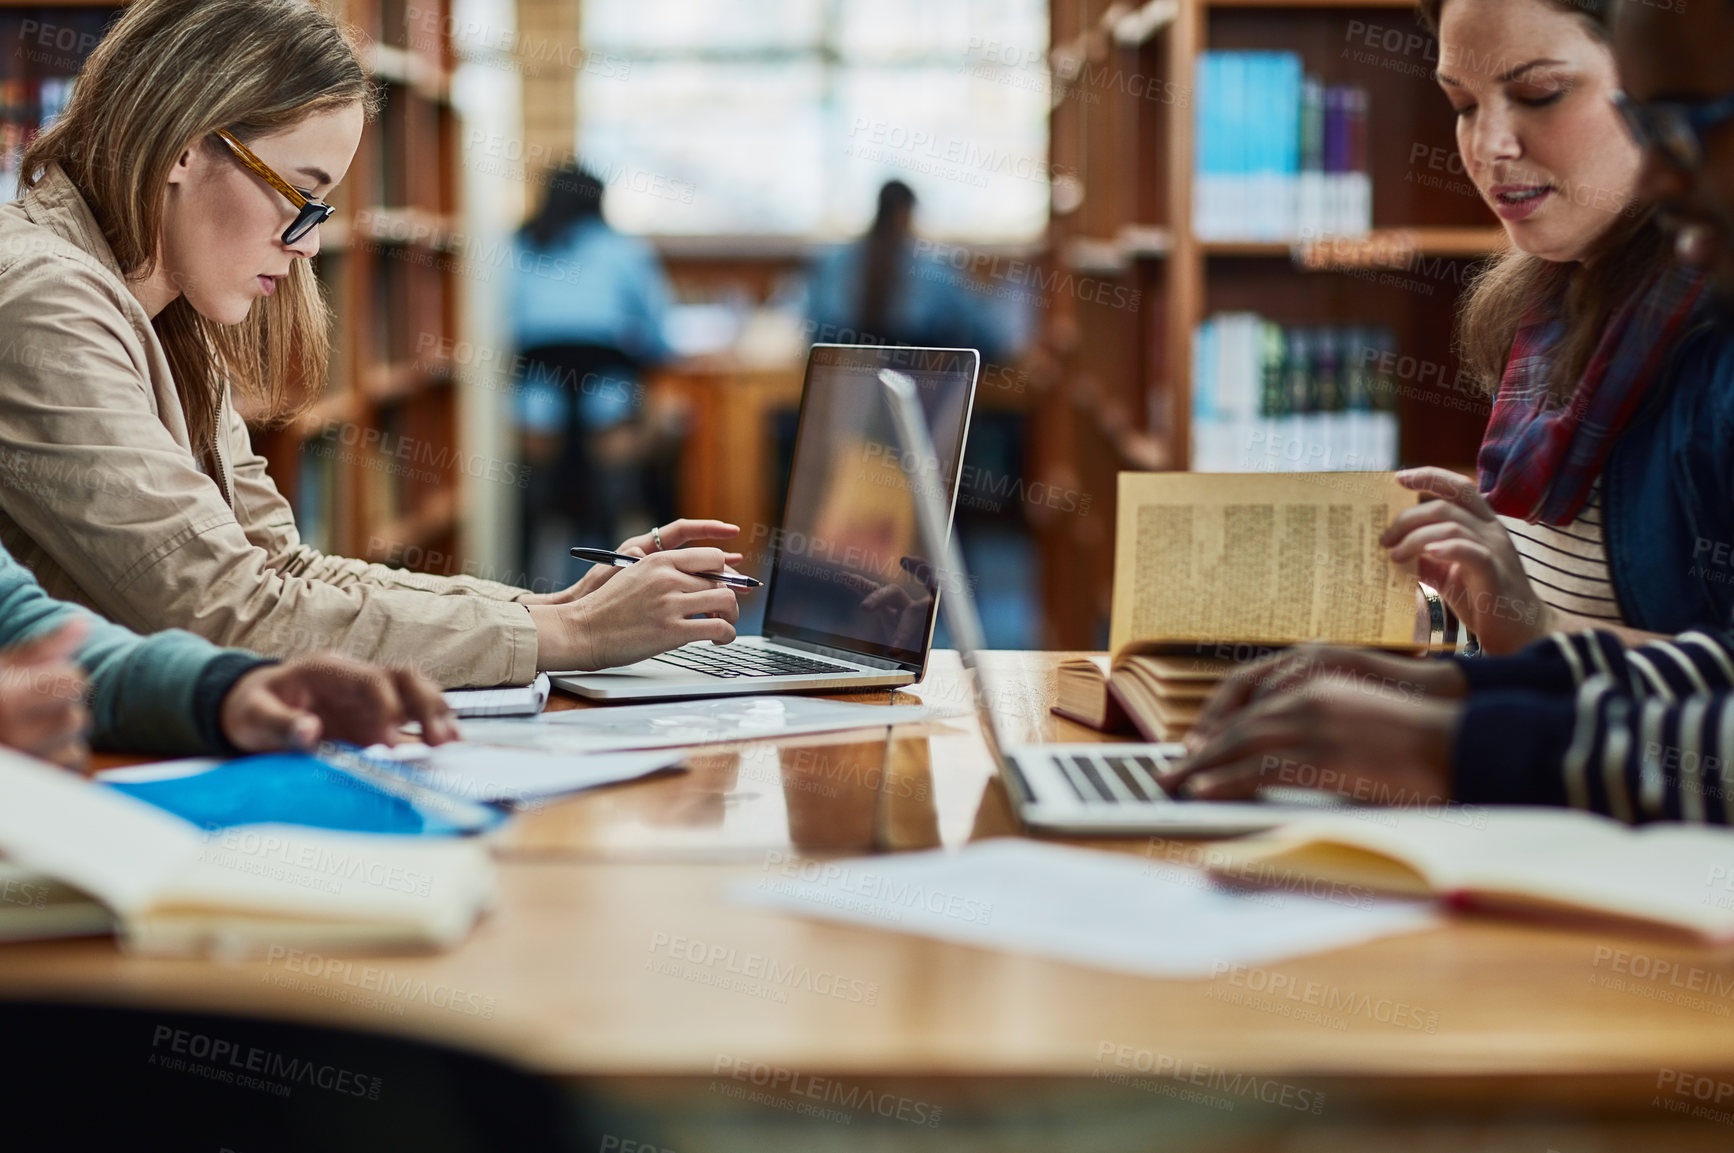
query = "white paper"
x=1098 y=909
x=490 y=773
x=158 y=771
x=675 y=724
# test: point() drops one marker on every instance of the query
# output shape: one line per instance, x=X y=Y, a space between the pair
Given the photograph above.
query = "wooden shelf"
x=1382 y=248
x=1123 y=360
x=411 y=69
x=437 y=518
x=394 y=383
x=405 y=227
x=340 y=408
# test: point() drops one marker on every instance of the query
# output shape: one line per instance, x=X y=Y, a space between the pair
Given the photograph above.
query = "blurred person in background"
x=588 y=306
x=888 y=288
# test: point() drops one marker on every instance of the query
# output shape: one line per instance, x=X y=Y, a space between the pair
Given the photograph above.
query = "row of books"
x=1266 y=398
x=26 y=108
x=1281 y=155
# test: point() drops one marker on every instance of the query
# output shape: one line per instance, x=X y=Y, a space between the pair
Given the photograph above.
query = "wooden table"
x=729 y=461
x=1523 y=1037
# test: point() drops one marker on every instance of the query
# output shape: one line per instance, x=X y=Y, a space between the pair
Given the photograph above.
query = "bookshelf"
x=373 y=468
x=1126 y=374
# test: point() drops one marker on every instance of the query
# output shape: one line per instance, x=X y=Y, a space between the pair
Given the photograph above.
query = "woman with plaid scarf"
x=1602 y=474
x=1580 y=719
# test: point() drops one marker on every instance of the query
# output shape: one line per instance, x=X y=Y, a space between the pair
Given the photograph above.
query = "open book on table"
x=1213 y=570
x=1540 y=862
x=170 y=887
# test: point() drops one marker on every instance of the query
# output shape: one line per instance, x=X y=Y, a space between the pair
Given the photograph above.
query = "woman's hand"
x=679 y=534
x=642 y=611
x=42 y=709
x=1312 y=668
x=299 y=703
x=1371 y=747
x=1462 y=550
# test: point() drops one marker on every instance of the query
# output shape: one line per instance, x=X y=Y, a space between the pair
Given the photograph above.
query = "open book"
x=1153 y=688
x=172 y=888
x=1212 y=570
x=1538 y=861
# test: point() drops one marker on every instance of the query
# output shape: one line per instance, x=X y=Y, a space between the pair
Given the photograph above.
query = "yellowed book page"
x=1268 y=557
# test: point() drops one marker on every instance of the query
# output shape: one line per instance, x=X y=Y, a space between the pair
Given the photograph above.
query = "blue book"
x=1286 y=102
x=1210 y=147
x=1232 y=129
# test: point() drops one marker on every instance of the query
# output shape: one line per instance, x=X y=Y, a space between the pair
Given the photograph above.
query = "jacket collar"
x=56 y=204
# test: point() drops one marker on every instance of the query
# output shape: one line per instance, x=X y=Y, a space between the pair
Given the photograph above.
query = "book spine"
x=1310 y=212
x=1358 y=180
x=1290 y=107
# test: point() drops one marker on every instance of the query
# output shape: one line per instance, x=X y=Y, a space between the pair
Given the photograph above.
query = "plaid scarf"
x=1540 y=460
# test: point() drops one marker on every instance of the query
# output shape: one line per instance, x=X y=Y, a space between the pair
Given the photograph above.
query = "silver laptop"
x=848 y=602
x=1102 y=789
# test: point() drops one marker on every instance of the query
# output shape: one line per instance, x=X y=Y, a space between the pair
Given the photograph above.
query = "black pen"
x=623 y=560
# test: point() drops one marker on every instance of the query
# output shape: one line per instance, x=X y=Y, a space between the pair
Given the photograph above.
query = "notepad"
x=511 y=701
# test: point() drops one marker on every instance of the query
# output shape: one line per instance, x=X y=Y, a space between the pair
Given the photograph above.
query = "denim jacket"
x=1668 y=495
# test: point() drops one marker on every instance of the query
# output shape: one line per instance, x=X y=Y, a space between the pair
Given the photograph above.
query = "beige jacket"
x=102 y=497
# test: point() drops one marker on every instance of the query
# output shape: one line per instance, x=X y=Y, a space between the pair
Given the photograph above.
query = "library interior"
x=1273 y=459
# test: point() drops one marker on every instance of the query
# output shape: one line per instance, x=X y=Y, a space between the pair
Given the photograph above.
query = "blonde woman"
x=155 y=268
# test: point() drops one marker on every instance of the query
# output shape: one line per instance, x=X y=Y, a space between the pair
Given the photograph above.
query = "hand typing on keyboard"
x=1375 y=748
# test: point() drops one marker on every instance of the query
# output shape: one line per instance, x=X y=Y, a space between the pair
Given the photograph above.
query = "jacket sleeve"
x=1691 y=663
x=1603 y=749
x=151 y=539
x=158 y=694
x=1639 y=734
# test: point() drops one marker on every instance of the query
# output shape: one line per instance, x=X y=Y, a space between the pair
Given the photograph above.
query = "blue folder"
x=302 y=789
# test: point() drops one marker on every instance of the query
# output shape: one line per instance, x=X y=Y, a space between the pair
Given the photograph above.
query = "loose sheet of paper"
x=475 y=772
x=490 y=773
x=675 y=724
x=1274 y=558
x=1097 y=909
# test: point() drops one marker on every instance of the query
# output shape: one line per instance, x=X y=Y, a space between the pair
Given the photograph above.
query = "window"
x=785 y=116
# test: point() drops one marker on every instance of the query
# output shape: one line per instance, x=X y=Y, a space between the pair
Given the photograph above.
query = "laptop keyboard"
x=1105 y=779
x=728 y=662
x=1114 y=780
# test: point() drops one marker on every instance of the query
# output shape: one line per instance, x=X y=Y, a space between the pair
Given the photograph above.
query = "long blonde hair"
x=1622 y=261
x=167 y=75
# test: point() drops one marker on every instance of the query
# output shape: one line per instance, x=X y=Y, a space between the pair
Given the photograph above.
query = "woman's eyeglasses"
x=310 y=213
x=1674 y=129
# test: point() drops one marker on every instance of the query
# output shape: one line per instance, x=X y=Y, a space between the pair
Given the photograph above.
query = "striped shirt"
x=1568 y=567
x=1638 y=734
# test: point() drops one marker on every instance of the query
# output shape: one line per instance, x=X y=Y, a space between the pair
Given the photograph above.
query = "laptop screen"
x=849 y=570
